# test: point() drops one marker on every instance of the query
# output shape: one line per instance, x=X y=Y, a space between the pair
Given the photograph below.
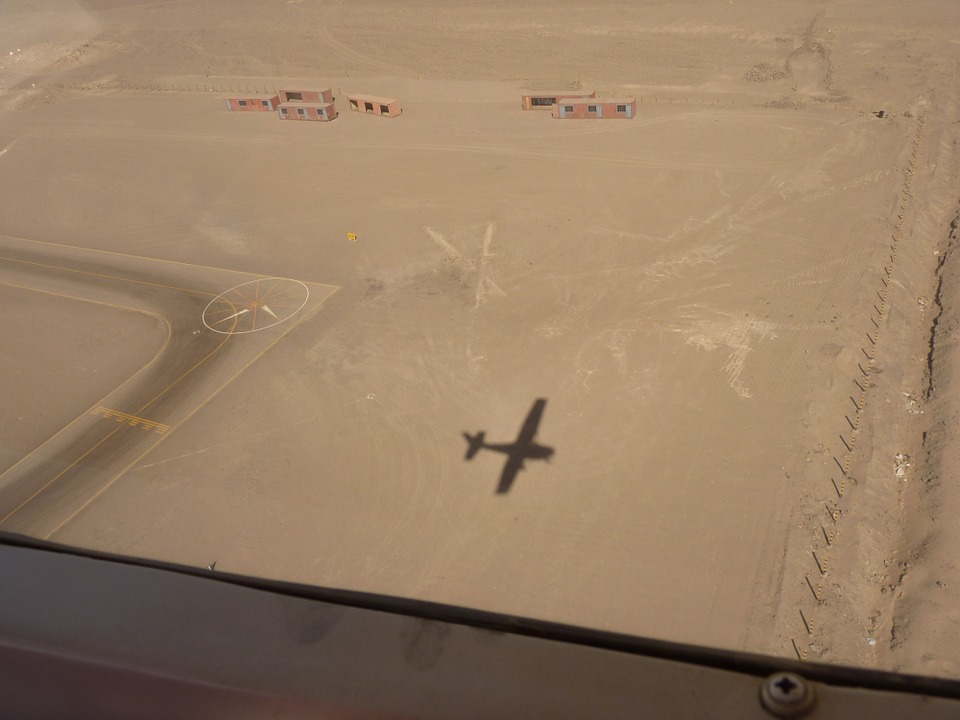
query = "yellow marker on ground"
x=352 y=237
x=133 y=420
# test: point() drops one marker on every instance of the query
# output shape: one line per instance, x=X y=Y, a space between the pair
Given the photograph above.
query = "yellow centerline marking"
x=108 y=277
x=276 y=298
x=74 y=248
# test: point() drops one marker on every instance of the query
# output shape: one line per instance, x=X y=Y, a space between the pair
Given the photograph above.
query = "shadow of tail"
x=474 y=444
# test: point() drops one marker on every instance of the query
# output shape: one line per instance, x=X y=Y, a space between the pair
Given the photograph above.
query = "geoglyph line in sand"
x=486 y=283
x=486 y=278
x=734 y=334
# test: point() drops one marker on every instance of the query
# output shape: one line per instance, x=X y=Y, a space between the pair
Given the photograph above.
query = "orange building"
x=304 y=104
x=374 y=105
x=302 y=111
x=594 y=108
x=254 y=103
x=546 y=100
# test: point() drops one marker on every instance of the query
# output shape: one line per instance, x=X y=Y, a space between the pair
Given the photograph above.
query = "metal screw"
x=786 y=695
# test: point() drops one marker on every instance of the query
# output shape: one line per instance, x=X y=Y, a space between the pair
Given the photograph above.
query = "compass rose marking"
x=278 y=298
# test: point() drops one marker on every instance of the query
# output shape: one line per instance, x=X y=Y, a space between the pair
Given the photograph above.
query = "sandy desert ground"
x=740 y=305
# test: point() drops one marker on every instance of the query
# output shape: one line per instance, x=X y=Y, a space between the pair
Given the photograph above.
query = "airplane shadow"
x=522 y=449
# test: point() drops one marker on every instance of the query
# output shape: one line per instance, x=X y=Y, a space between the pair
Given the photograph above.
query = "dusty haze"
x=740 y=305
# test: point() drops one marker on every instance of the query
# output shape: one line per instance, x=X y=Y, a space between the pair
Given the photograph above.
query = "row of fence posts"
x=825 y=536
x=169 y=87
x=741 y=102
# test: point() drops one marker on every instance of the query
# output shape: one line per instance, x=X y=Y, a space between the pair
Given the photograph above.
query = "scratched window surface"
x=634 y=317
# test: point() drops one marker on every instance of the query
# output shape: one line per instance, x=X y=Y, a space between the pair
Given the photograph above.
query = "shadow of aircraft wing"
x=513 y=466
x=532 y=422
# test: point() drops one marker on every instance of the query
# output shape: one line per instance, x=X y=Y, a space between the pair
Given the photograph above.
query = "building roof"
x=560 y=93
x=373 y=98
x=596 y=101
x=252 y=96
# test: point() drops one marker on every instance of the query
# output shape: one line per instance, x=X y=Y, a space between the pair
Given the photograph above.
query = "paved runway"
x=218 y=322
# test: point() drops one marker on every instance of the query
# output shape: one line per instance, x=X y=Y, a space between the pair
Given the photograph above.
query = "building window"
x=568 y=108
x=621 y=108
x=243 y=103
x=542 y=101
x=354 y=105
x=320 y=112
x=264 y=103
x=591 y=108
x=283 y=111
x=301 y=112
x=384 y=110
x=368 y=107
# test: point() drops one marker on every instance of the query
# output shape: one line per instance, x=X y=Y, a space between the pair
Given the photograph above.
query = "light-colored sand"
x=696 y=292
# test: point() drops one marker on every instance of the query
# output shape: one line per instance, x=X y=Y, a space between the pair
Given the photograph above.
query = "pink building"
x=546 y=100
x=595 y=109
x=311 y=97
x=301 y=111
x=386 y=107
x=254 y=103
